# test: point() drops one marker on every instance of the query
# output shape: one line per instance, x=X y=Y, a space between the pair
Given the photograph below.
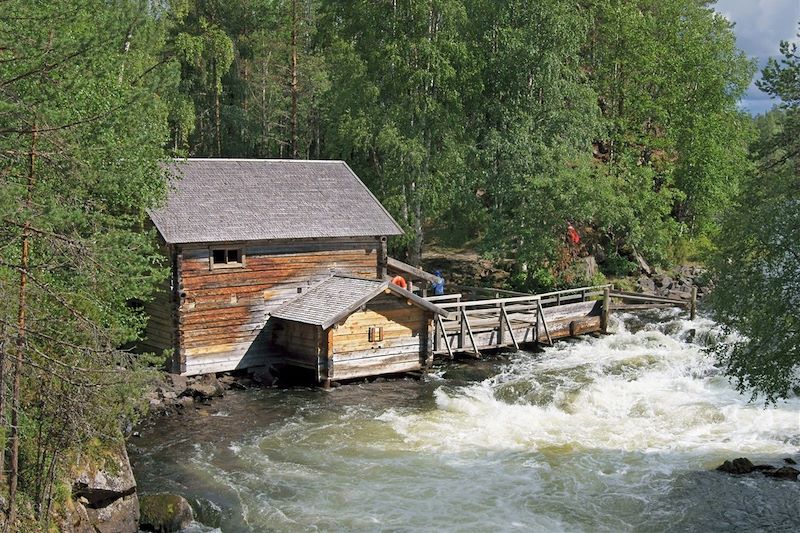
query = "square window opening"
x=375 y=334
x=227 y=257
x=219 y=257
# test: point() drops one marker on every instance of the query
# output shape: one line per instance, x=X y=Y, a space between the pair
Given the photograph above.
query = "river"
x=617 y=433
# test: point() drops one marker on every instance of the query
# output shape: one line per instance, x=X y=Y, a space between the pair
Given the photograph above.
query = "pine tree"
x=82 y=125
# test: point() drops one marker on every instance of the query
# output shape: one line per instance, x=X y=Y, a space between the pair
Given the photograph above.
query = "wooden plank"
x=641 y=307
x=641 y=297
x=378 y=368
x=443 y=297
x=407 y=349
x=411 y=271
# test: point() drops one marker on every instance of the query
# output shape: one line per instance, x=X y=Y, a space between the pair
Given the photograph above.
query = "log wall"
x=159 y=334
x=405 y=346
x=223 y=312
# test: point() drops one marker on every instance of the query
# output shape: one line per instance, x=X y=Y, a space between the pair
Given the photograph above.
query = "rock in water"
x=784 y=472
x=164 y=512
x=742 y=465
x=207 y=512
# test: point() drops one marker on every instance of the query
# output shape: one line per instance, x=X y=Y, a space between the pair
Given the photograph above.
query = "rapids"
x=617 y=433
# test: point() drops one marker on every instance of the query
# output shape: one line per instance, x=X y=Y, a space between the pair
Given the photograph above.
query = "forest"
x=477 y=123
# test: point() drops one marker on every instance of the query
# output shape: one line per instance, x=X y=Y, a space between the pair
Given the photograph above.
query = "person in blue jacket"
x=438 y=287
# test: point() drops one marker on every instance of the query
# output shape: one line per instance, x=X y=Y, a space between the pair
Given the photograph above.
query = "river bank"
x=621 y=432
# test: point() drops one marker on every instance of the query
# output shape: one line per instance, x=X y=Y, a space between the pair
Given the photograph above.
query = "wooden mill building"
x=305 y=239
x=284 y=261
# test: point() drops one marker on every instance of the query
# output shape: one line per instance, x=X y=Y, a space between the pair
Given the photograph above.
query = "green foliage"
x=395 y=110
x=499 y=121
x=83 y=122
x=668 y=77
x=757 y=263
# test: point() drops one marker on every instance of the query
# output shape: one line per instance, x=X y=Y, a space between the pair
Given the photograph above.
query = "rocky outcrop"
x=165 y=512
x=204 y=388
x=104 y=493
x=676 y=284
x=175 y=394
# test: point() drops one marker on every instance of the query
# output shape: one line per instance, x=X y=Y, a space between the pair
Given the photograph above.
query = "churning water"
x=618 y=433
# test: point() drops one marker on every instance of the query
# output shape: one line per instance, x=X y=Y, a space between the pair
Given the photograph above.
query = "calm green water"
x=612 y=434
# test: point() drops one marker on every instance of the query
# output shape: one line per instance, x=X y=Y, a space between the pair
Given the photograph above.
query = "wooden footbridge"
x=510 y=319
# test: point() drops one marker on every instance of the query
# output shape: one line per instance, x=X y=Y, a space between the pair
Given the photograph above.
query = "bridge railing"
x=465 y=318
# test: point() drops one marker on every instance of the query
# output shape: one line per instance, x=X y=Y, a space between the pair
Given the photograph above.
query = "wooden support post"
x=383 y=258
x=606 y=310
x=500 y=335
x=437 y=333
x=462 y=337
x=465 y=320
x=326 y=383
x=504 y=315
x=444 y=335
x=544 y=322
x=693 y=304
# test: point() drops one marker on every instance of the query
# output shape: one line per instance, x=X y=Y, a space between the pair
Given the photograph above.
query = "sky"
x=760 y=25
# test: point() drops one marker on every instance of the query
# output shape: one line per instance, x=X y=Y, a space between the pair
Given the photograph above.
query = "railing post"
x=606 y=310
x=500 y=325
x=693 y=304
x=462 y=337
x=437 y=332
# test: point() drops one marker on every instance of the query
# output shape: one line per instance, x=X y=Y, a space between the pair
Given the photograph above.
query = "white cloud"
x=760 y=25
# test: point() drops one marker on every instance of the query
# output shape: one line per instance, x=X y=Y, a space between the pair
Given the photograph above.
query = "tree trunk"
x=217 y=122
x=13 y=478
x=293 y=118
x=3 y=338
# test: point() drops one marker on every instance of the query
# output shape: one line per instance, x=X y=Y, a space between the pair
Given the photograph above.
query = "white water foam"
x=645 y=391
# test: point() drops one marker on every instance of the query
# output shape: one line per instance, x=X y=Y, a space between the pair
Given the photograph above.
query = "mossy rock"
x=164 y=512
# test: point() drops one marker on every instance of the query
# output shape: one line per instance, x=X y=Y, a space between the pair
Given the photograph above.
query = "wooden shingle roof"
x=336 y=298
x=223 y=200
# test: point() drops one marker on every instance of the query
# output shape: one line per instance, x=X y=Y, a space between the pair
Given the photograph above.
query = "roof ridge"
x=257 y=160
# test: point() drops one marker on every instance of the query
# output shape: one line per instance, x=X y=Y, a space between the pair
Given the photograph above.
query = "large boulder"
x=588 y=266
x=104 y=490
x=646 y=285
x=165 y=512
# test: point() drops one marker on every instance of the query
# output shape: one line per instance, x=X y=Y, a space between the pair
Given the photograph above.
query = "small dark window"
x=375 y=334
x=219 y=257
x=226 y=257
